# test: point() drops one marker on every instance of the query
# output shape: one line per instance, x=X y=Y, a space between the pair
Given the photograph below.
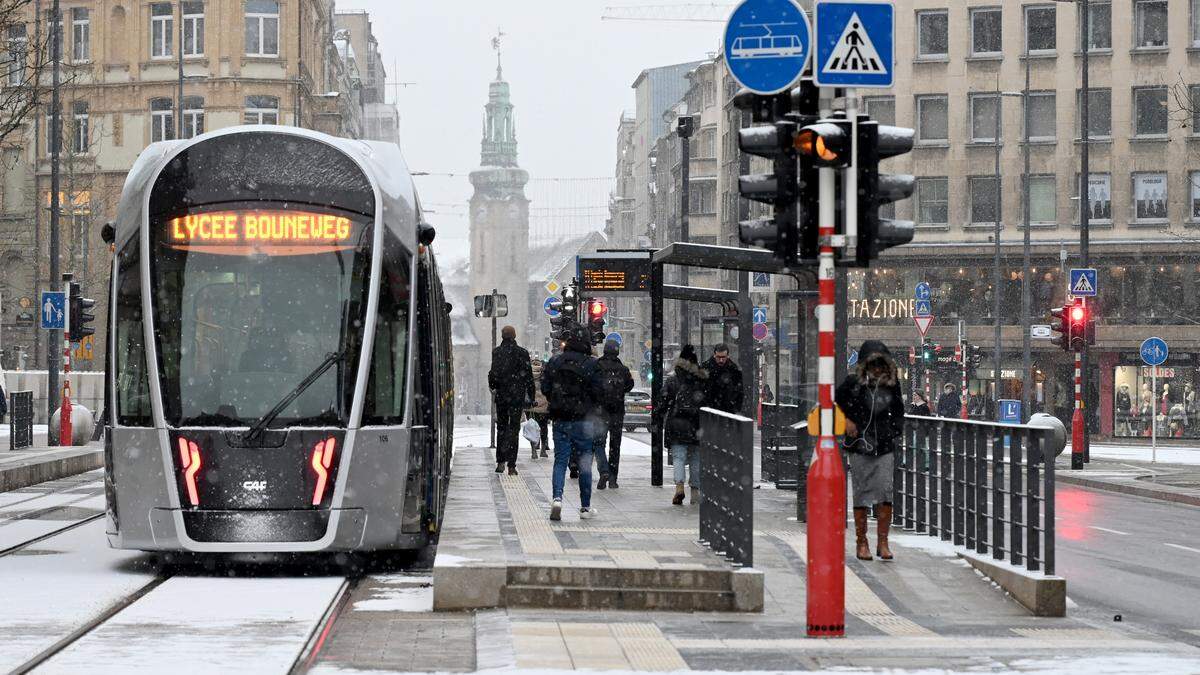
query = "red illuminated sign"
x=271 y=232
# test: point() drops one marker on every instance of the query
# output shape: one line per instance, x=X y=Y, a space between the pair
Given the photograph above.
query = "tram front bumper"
x=211 y=531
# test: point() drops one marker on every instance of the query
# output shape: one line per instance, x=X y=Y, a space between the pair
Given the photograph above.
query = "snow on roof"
x=547 y=260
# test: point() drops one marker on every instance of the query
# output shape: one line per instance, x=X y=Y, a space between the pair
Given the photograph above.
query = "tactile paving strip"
x=533 y=530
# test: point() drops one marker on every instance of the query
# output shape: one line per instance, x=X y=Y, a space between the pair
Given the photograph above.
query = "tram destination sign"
x=278 y=232
x=615 y=273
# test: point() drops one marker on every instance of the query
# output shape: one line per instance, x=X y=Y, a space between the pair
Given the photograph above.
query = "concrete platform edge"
x=1043 y=595
x=18 y=477
x=1125 y=488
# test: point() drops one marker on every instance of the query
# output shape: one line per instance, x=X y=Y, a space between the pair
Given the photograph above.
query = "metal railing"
x=780 y=445
x=20 y=420
x=980 y=485
x=727 y=485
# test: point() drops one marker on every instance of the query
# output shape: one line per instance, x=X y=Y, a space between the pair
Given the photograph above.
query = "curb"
x=1042 y=595
x=1128 y=489
x=19 y=477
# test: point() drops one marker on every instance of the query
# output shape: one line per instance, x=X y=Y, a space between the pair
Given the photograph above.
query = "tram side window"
x=389 y=358
x=133 y=382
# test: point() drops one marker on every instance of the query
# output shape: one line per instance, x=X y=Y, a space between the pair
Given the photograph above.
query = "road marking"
x=1105 y=529
x=1185 y=548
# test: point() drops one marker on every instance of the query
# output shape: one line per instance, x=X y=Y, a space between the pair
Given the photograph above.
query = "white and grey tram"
x=279 y=366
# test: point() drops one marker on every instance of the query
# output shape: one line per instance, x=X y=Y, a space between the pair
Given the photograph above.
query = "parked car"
x=637 y=410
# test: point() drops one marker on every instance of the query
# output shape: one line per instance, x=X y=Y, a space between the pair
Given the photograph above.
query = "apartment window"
x=17 y=56
x=261 y=110
x=1099 y=193
x=1042 y=117
x=1150 y=23
x=1195 y=23
x=1194 y=194
x=933 y=123
x=1099 y=30
x=1150 y=111
x=162 y=120
x=1043 y=204
x=162 y=29
x=80 y=140
x=933 y=34
x=882 y=109
x=933 y=205
x=985 y=200
x=986 y=31
x=984 y=117
x=193 y=28
x=53 y=132
x=262 y=28
x=702 y=198
x=54 y=36
x=193 y=116
x=1193 y=105
x=706 y=148
x=1040 y=29
x=1099 y=112
x=1149 y=197
x=81 y=35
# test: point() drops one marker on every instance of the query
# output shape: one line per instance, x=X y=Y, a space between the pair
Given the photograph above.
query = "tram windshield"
x=249 y=299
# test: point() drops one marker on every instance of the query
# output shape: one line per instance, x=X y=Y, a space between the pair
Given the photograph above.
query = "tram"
x=279 y=359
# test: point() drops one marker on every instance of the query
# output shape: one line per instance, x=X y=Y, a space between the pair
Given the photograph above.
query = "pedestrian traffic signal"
x=877 y=142
x=929 y=353
x=779 y=188
x=80 y=318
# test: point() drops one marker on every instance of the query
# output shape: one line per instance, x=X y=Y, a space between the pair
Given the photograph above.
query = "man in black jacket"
x=571 y=383
x=615 y=382
x=724 y=388
x=511 y=382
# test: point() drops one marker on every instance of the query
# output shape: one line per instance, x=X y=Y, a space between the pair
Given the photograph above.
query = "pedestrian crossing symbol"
x=855 y=43
x=1083 y=283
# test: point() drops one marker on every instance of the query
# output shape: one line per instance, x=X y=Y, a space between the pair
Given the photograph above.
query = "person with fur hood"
x=871 y=399
x=684 y=394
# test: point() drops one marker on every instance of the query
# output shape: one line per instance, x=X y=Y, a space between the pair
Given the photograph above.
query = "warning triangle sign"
x=1083 y=286
x=855 y=53
x=923 y=323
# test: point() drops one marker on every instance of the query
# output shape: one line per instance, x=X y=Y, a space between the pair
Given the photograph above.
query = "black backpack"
x=612 y=380
x=569 y=396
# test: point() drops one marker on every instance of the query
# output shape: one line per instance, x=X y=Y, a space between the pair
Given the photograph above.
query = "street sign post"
x=760 y=315
x=1154 y=354
x=760 y=331
x=767 y=45
x=53 y=310
x=1083 y=283
x=854 y=43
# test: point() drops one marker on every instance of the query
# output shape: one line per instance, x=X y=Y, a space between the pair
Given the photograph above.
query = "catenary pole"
x=1029 y=382
x=996 y=263
x=55 y=338
x=685 y=191
x=1084 y=207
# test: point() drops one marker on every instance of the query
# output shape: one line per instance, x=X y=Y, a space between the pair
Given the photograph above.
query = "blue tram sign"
x=767 y=44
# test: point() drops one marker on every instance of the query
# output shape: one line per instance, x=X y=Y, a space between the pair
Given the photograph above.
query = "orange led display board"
x=273 y=232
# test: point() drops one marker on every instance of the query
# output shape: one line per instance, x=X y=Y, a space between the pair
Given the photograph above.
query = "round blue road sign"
x=549 y=307
x=1154 y=351
x=922 y=292
x=767 y=44
x=613 y=337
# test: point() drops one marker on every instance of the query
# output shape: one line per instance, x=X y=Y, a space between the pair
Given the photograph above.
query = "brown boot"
x=677 y=500
x=881 y=532
x=862 y=549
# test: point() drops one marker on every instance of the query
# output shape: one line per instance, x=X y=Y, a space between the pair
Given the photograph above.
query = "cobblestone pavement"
x=926 y=611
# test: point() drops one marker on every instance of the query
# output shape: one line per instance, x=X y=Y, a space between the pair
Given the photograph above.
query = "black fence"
x=781 y=446
x=20 y=420
x=727 y=484
x=980 y=485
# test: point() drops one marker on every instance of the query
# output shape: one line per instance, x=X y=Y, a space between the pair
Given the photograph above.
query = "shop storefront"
x=1136 y=399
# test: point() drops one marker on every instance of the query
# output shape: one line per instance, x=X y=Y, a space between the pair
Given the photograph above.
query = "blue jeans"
x=686 y=456
x=573 y=438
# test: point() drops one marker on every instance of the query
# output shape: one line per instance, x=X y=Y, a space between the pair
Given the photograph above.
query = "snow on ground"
x=398 y=593
x=1142 y=453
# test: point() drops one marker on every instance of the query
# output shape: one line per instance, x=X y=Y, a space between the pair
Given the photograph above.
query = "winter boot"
x=533 y=451
x=677 y=500
x=544 y=451
x=881 y=532
x=499 y=467
x=862 y=549
x=603 y=482
x=512 y=471
x=696 y=495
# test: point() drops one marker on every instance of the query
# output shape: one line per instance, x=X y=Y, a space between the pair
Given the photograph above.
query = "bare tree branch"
x=24 y=59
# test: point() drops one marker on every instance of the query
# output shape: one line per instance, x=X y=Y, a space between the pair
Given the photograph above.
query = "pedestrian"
x=919 y=406
x=685 y=393
x=724 y=388
x=571 y=383
x=871 y=400
x=511 y=382
x=615 y=382
x=949 y=404
x=539 y=411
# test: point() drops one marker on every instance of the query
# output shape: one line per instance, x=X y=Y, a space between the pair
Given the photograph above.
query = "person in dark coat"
x=684 y=394
x=949 y=404
x=615 y=382
x=511 y=382
x=919 y=405
x=871 y=399
x=571 y=383
x=724 y=389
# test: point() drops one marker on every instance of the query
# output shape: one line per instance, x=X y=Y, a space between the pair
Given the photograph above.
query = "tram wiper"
x=257 y=428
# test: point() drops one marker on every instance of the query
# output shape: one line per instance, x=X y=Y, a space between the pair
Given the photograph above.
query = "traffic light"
x=928 y=353
x=779 y=188
x=1074 y=324
x=80 y=317
x=568 y=314
x=877 y=142
x=975 y=355
x=596 y=311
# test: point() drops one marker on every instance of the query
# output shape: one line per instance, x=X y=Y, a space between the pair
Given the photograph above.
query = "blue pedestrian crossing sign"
x=923 y=308
x=1154 y=351
x=767 y=44
x=760 y=315
x=1083 y=283
x=53 y=310
x=854 y=43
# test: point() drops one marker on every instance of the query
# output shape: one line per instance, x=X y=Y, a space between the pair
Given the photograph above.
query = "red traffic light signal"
x=1078 y=314
x=597 y=309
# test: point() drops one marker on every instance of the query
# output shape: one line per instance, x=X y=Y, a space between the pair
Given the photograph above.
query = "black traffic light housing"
x=780 y=188
x=1075 y=325
x=80 y=317
x=596 y=311
x=928 y=353
x=877 y=142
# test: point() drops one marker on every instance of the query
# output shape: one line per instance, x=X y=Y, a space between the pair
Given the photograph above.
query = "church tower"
x=500 y=216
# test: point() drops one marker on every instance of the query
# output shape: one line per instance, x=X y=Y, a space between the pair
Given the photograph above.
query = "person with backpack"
x=511 y=382
x=615 y=382
x=684 y=394
x=571 y=383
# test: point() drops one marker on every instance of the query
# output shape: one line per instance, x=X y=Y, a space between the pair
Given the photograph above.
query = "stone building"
x=380 y=119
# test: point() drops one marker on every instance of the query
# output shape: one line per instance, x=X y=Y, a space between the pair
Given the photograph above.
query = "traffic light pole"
x=64 y=419
x=492 y=426
x=52 y=357
x=1077 y=432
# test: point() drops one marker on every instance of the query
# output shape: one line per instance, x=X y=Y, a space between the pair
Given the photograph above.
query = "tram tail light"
x=322 y=459
x=189 y=459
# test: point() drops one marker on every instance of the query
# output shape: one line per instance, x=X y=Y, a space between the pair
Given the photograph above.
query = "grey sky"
x=570 y=74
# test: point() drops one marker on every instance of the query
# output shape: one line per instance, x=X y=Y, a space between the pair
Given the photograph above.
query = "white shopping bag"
x=531 y=431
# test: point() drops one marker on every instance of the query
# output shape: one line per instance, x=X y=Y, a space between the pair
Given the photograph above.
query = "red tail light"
x=189 y=459
x=322 y=459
